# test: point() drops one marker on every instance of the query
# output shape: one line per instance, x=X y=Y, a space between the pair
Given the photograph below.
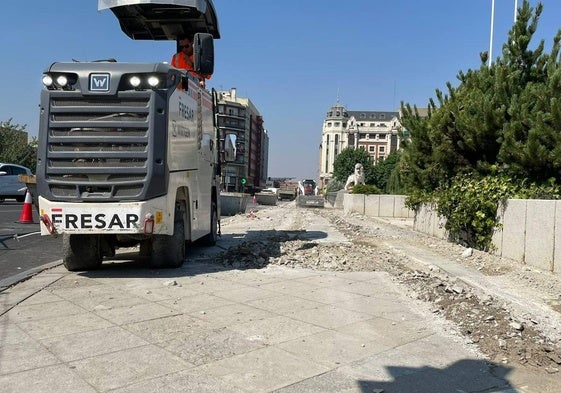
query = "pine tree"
x=505 y=118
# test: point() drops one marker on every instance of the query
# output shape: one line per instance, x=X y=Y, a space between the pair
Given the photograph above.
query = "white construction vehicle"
x=129 y=153
x=308 y=194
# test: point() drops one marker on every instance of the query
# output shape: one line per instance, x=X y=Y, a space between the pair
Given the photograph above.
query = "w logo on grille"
x=99 y=82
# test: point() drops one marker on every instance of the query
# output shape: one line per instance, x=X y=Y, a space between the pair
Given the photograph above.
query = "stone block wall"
x=529 y=231
x=377 y=205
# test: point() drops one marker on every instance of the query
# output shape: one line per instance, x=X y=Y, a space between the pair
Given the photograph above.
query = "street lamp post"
x=491 y=37
x=492 y=25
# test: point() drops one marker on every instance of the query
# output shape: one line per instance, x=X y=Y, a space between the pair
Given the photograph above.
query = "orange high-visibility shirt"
x=180 y=60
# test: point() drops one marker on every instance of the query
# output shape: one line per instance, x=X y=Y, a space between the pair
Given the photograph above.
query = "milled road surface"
x=291 y=300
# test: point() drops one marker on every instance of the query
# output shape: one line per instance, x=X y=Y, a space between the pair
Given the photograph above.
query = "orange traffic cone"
x=26 y=216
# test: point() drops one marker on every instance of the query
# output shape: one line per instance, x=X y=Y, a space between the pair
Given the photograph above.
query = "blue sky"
x=292 y=58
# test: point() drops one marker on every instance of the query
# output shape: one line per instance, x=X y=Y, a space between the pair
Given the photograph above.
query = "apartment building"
x=239 y=120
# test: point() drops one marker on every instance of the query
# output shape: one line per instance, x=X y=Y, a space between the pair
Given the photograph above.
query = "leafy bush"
x=344 y=164
x=366 y=189
x=470 y=204
x=382 y=171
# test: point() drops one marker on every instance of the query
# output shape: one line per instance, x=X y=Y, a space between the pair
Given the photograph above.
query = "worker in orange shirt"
x=184 y=59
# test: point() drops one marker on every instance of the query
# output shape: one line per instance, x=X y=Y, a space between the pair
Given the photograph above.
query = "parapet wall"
x=529 y=231
x=377 y=205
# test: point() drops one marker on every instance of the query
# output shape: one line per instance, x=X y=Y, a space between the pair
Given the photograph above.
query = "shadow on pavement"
x=466 y=375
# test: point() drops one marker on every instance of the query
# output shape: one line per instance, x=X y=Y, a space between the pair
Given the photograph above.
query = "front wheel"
x=169 y=251
x=81 y=252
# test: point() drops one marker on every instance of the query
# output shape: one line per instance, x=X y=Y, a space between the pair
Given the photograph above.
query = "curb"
x=16 y=279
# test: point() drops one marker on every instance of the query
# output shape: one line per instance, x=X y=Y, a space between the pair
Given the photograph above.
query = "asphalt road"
x=21 y=246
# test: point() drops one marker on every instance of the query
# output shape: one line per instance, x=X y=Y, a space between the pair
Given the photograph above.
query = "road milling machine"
x=129 y=153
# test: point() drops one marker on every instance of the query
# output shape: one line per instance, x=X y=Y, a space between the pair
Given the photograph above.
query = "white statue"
x=356 y=178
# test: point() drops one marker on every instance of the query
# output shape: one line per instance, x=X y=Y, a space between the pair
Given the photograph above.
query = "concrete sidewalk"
x=204 y=329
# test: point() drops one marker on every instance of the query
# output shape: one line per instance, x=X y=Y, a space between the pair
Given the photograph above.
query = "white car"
x=10 y=186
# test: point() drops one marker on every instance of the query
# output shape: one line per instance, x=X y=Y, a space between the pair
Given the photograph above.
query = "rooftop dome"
x=337 y=111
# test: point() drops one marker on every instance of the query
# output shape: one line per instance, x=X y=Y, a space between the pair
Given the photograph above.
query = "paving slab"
x=206 y=328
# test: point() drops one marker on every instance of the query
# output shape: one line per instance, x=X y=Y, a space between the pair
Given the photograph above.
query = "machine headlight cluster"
x=59 y=81
x=153 y=81
x=134 y=81
x=62 y=81
x=47 y=80
x=145 y=81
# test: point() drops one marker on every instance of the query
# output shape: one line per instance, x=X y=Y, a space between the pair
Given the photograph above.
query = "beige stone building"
x=375 y=131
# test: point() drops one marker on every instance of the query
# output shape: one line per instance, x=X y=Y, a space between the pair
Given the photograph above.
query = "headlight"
x=153 y=81
x=134 y=81
x=47 y=80
x=62 y=81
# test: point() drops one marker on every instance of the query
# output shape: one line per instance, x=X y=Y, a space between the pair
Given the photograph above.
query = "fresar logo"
x=99 y=82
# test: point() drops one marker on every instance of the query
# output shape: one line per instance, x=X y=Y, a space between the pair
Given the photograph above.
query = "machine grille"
x=98 y=148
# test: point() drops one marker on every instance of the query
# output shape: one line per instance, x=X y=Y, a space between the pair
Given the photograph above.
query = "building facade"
x=240 y=121
x=375 y=131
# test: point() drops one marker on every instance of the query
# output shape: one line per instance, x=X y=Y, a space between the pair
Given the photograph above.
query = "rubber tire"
x=169 y=251
x=81 y=252
x=145 y=248
x=211 y=238
x=20 y=198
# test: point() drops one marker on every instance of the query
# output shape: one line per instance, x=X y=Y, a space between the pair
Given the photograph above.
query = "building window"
x=337 y=124
x=372 y=124
x=371 y=148
x=382 y=116
x=338 y=113
x=329 y=124
x=362 y=115
x=381 y=149
x=344 y=125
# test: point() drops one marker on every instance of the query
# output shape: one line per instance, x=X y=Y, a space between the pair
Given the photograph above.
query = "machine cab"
x=168 y=20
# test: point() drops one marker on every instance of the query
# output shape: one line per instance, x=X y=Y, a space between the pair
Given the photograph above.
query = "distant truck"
x=129 y=153
x=308 y=194
x=288 y=191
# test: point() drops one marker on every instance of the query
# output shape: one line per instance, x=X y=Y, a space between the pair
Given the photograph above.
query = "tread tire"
x=169 y=251
x=81 y=252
